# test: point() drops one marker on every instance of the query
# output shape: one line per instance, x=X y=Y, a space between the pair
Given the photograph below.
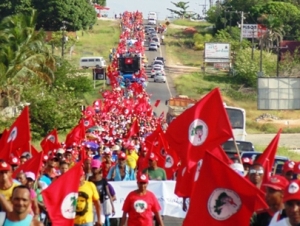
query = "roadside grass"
x=96 y=42
x=189 y=23
x=196 y=85
x=180 y=45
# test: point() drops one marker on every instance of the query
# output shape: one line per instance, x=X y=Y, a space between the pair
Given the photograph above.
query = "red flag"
x=156 y=103
x=267 y=158
x=220 y=201
x=76 y=135
x=128 y=60
x=32 y=165
x=18 y=135
x=162 y=115
x=89 y=111
x=200 y=127
x=62 y=207
x=185 y=177
x=50 y=142
x=134 y=129
x=88 y=122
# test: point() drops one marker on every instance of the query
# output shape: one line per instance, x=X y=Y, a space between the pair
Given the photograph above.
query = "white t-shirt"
x=283 y=222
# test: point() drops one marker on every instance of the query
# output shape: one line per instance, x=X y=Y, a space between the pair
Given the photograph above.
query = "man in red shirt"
x=106 y=162
x=140 y=204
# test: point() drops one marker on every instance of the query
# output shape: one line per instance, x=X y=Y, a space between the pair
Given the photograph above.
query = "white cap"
x=238 y=168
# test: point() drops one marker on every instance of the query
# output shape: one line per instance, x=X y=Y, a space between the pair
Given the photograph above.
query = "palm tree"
x=23 y=54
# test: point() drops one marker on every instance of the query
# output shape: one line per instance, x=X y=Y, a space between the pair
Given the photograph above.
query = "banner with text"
x=171 y=204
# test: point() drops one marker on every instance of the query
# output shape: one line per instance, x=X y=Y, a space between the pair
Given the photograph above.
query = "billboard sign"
x=253 y=30
x=217 y=52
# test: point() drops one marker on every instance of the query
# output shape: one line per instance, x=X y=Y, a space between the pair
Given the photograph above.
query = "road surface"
x=162 y=92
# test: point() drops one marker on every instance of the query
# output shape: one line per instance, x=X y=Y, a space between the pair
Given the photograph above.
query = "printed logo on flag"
x=13 y=135
x=197 y=173
x=163 y=152
x=223 y=203
x=86 y=123
x=68 y=206
x=293 y=188
x=140 y=206
x=198 y=132
x=169 y=161
x=51 y=138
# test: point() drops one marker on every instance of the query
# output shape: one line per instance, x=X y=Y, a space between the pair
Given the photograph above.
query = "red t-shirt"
x=140 y=208
x=106 y=169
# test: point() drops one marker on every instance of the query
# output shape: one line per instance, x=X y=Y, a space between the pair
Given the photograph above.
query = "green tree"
x=11 y=7
x=182 y=9
x=100 y=2
x=23 y=54
x=78 y=14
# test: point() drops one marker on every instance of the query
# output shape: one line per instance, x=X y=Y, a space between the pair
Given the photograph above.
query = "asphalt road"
x=162 y=92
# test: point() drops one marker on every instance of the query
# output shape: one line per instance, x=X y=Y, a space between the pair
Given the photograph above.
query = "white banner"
x=253 y=30
x=171 y=204
x=217 y=51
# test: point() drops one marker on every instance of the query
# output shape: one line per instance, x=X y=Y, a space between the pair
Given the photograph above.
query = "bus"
x=237 y=118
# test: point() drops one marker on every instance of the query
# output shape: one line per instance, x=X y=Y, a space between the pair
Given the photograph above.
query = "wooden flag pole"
x=238 y=151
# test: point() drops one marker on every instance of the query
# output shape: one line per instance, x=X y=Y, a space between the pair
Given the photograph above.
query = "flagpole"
x=30 y=147
x=237 y=149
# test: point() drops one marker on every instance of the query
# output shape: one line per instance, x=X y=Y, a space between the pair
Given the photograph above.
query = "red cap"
x=288 y=166
x=143 y=178
x=14 y=161
x=297 y=168
x=153 y=157
x=292 y=191
x=247 y=160
x=277 y=182
x=5 y=167
x=122 y=156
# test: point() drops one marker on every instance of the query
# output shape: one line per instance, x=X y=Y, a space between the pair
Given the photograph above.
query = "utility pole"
x=63 y=28
x=278 y=48
x=242 y=24
x=252 y=52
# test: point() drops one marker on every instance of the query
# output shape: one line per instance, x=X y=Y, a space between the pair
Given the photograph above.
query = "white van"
x=152 y=15
x=86 y=62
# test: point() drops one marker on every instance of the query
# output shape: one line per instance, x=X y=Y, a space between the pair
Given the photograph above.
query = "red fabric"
x=148 y=205
x=142 y=163
x=134 y=129
x=18 y=136
x=221 y=202
x=89 y=111
x=66 y=187
x=189 y=177
x=156 y=103
x=88 y=122
x=32 y=165
x=188 y=140
x=50 y=142
x=105 y=169
x=76 y=135
x=267 y=158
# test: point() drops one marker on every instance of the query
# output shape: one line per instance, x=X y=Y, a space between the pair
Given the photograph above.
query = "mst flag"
x=61 y=207
x=156 y=103
x=185 y=176
x=227 y=199
x=50 y=142
x=200 y=127
x=18 y=136
x=128 y=60
x=32 y=165
x=134 y=129
x=267 y=158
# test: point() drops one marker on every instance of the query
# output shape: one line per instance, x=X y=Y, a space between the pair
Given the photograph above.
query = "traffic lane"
x=159 y=91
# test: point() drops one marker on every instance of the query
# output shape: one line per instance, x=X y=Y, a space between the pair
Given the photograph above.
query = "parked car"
x=156 y=70
x=278 y=163
x=243 y=146
x=94 y=61
x=160 y=77
x=153 y=46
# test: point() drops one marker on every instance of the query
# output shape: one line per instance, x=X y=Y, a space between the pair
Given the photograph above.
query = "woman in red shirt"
x=140 y=204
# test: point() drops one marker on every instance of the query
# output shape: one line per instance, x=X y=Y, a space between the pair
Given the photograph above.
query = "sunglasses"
x=253 y=171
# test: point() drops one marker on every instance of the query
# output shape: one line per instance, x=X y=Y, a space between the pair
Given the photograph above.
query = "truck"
x=236 y=116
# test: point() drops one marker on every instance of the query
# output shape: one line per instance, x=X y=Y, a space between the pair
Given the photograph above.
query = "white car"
x=160 y=78
x=155 y=40
x=153 y=46
x=158 y=62
x=157 y=70
x=151 y=21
